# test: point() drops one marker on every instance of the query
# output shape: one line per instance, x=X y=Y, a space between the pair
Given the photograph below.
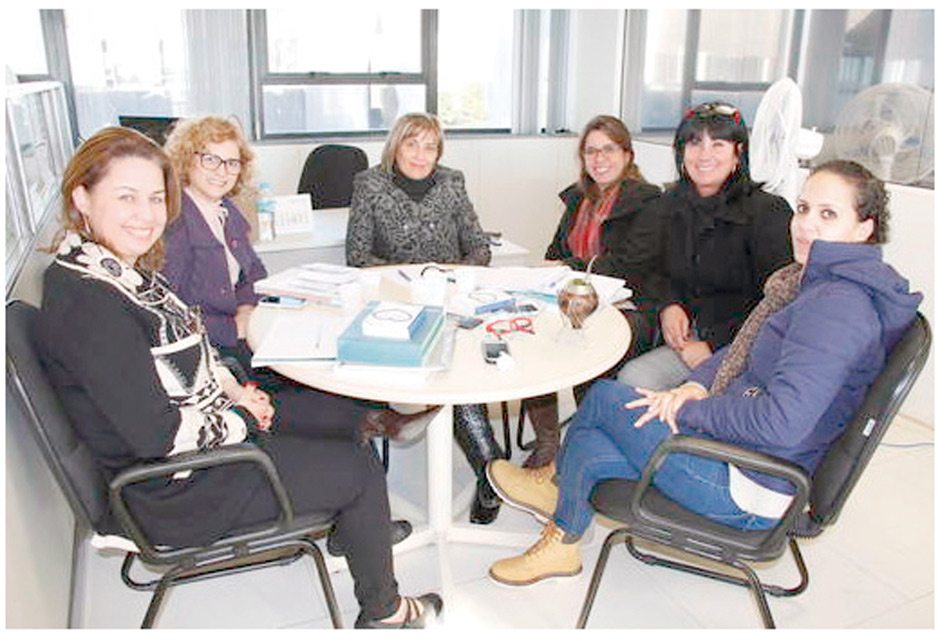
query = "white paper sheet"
x=301 y=337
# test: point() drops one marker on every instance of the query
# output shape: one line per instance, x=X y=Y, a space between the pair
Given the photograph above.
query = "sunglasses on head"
x=710 y=109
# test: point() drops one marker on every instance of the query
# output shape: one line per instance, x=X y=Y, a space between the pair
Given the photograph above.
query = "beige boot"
x=547 y=558
x=531 y=490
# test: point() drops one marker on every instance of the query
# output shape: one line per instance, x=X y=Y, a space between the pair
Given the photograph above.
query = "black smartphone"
x=282 y=302
x=492 y=350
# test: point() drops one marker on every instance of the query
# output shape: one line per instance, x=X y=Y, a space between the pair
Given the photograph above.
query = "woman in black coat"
x=605 y=219
x=722 y=235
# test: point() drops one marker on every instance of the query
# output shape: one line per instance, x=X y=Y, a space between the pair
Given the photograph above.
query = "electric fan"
x=888 y=129
x=778 y=142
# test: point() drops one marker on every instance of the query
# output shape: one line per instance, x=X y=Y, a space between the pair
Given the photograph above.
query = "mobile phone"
x=282 y=302
x=492 y=350
x=469 y=322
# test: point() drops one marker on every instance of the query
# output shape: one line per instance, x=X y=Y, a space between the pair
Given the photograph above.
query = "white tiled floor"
x=873 y=569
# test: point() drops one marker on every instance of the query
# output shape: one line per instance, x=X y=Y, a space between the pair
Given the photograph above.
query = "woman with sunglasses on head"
x=722 y=236
x=786 y=386
x=137 y=377
x=607 y=218
x=210 y=263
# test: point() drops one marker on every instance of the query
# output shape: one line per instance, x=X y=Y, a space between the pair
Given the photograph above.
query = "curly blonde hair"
x=91 y=164
x=190 y=137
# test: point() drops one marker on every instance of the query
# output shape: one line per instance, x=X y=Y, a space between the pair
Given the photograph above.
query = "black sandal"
x=430 y=610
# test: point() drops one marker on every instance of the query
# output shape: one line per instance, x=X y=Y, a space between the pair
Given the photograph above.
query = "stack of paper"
x=481 y=301
x=543 y=283
x=322 y=283
x=300 y=337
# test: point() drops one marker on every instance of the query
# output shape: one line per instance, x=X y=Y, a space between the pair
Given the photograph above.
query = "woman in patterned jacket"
x=135 y=372
x=410 y=209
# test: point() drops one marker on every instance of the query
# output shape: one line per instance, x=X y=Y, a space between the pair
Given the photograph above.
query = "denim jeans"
x=602 y=443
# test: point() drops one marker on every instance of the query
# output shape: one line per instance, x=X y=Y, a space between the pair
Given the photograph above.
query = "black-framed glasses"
x=715 y=109
x=212 y=162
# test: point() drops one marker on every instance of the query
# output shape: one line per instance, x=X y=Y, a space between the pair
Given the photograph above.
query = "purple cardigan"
x=198 y=272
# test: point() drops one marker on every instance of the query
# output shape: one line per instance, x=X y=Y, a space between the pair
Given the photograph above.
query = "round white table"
x=546 y=361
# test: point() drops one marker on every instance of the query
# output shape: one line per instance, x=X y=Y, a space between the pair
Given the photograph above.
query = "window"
x=24 y=37
x=365 y=68
x=697 y=56
x=358 y=70
x=474 y=90
x=183 y=63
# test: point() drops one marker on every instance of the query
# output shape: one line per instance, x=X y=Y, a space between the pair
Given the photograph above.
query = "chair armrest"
x=724 y=452
x=236 y=369
x=191 y=461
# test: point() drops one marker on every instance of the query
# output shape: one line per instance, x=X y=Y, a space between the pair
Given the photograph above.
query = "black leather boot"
x=474 y=435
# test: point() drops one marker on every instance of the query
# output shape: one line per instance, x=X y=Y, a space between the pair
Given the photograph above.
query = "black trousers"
x=322 y=473
x=315 y=447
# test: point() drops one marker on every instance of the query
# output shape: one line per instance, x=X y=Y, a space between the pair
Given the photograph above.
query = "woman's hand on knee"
x=258 y=403
x=665 y=405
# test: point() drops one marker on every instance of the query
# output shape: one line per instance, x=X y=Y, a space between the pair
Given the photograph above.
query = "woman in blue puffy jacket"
x=789 y=382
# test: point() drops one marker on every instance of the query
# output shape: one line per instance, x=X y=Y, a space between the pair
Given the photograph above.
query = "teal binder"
x=355 y=348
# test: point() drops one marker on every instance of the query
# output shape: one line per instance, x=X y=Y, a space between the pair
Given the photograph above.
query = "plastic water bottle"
x=265 y=208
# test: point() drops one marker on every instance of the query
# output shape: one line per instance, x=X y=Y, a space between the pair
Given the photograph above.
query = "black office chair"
x=648 y=515
x=328 y=174
x=99 y=505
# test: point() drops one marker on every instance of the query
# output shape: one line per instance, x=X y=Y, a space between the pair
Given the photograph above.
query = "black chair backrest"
x=328 y=174
x=71 y=462
x=848 y=456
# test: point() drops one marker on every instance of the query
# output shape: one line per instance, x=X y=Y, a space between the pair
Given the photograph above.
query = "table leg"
x=440 y=437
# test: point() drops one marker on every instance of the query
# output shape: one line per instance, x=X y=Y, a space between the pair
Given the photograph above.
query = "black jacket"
x=629 y=235
x=716 y=253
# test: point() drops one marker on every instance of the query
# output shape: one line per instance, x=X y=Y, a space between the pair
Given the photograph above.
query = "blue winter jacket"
x=811 y=362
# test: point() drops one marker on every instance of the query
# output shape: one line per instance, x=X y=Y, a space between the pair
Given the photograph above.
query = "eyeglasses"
x=212 y=162
x=714 y=109
x=607 y=150
x=503 y=326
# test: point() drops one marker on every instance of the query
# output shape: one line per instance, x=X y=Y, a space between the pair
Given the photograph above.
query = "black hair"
x=871 y=197
x=722 y=121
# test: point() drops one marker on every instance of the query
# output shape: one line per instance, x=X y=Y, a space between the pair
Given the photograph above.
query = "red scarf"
x=584 y=240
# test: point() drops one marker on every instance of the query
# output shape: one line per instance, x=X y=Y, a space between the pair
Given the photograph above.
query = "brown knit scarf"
x=779 y=290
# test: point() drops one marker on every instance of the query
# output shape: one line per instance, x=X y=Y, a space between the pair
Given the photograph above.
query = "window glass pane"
x=741 y=46
x=343 y=40
x=475 y=68
x=336 y=108
x=909 y=52
x=23 y=41
x=120 y=68
x=662 y=71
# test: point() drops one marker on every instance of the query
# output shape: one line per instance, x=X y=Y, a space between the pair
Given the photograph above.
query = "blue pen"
x=404 y=275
